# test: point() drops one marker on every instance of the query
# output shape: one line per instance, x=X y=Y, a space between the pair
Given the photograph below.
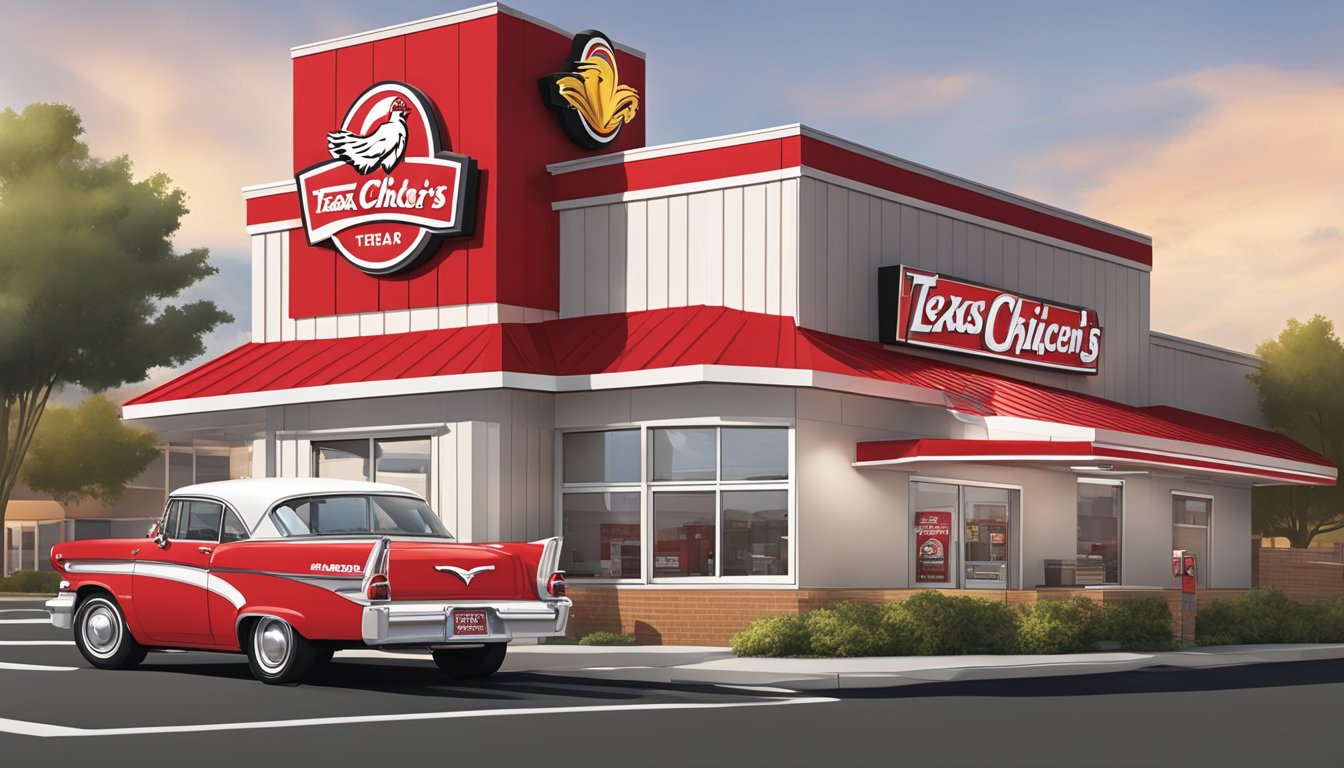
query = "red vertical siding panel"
x=518 y=154
x=312 y=284
x=315 y=110
x=389 y=63
x=355 y=291
x=431 y=66
x=478 y=67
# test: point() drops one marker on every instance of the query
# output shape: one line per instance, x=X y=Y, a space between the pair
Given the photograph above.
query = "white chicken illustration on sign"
x=384 y=145
x=390 y=189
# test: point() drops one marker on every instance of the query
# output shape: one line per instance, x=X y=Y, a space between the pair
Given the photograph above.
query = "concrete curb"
x=661 y=664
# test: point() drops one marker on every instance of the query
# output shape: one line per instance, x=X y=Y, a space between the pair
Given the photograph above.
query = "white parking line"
x=25 y=728
x=25 y=621
x=24 y=610
x=37 y=642
x=34 y=667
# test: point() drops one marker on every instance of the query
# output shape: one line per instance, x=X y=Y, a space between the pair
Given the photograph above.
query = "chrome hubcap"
x=102 y=630
x=271 y=642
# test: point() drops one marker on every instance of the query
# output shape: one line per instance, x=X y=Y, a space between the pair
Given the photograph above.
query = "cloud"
x=1242 y=200
x=885 y=97
x=210 y=110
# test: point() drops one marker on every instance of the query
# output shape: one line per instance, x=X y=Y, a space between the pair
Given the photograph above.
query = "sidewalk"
x=718 y=666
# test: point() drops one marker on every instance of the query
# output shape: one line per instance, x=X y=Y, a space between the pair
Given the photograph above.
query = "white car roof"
x=252 y=497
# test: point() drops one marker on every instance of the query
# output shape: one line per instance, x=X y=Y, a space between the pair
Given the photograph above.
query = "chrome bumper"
x=431 y=623
x=62 y=610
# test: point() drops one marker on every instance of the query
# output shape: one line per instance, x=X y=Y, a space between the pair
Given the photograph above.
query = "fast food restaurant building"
x=739 y=375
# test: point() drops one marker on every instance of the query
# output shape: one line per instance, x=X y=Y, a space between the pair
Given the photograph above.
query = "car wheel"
x=471 y=663
x=102 y=637
x=277 y=654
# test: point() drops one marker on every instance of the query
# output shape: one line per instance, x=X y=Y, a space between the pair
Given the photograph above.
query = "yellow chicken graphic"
x=592 y=102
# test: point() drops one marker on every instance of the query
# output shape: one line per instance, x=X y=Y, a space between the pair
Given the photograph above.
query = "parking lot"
x=49 y=695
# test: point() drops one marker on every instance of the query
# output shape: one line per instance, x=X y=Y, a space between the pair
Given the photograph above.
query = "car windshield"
x=345 y=515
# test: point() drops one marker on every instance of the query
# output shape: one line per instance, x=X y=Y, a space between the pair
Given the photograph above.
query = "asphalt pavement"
x=574 y=705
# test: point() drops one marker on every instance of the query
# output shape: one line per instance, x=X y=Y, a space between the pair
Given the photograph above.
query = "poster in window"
x=933 y=535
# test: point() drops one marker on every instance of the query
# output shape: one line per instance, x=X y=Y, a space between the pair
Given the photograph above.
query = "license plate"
x=470 y=623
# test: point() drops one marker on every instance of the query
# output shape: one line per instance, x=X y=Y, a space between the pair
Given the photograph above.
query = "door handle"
x=204 y=550
x=135 y=551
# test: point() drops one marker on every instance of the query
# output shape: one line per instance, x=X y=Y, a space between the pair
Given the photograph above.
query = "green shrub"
x=1140 y=625
x=949 y=626
x=1331 y=621
x=848 y=629
x=1260 y=616
x=899 y=630
x=1059 y=626
x=603 y=637
x=31 y=581
x=781 y=635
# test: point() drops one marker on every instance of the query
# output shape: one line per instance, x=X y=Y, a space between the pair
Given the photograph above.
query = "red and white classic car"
x=289 y=570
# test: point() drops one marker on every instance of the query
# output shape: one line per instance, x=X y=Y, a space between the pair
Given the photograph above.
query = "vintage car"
x=290 y=570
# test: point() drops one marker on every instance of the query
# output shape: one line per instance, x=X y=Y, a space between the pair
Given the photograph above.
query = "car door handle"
x=135 y=551
x=204 y=550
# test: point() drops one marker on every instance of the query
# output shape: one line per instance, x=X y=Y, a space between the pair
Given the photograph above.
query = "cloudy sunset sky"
x=1215 y=127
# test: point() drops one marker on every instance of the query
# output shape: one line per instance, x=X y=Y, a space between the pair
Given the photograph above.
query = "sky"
x=1217 y=128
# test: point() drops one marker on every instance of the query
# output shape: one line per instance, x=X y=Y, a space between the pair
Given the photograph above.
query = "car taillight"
x=379 y=588
x=556 y=584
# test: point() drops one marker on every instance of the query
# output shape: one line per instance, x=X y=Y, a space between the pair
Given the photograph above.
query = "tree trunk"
x=19 y=415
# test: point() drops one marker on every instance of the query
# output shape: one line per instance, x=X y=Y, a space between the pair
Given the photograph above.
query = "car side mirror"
x=161 y=539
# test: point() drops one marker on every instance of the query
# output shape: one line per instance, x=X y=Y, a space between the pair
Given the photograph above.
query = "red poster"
x=933 y=536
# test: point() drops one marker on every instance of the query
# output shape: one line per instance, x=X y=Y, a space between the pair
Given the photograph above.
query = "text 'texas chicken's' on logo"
x=589 y=97
x=389 y=188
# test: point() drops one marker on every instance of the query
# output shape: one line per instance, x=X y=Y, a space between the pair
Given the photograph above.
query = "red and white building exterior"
x=671 y=356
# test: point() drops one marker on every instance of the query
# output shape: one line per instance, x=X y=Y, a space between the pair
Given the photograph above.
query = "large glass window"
x=684 y=455
x=1190 y=516
x=601 y=522
x=601 y=535
x=602 y=457
x=718 y=503
x=403 y=461
x=1099 y=505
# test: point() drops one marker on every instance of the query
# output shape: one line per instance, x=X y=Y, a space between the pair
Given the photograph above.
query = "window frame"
x=225 y=509
x=647 y=487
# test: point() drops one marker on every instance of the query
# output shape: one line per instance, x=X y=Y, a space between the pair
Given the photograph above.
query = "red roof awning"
x=681 y=345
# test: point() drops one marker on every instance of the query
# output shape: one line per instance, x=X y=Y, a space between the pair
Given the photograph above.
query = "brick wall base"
x=713 y=616
x=1310 y=574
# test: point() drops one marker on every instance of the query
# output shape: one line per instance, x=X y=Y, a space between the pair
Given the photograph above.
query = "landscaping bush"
x=899 y=630
x=1060 y=626
x=782 y=635
x=1331 y=621
x=848 y=629
x=1260 y=616
x=603 y=637
x=950 y=626
x=31 y=581
x=1141 y=625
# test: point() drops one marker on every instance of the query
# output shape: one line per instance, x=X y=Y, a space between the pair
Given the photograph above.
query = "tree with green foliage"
x=1300 y=388
x=87 y=270
x=86 y=452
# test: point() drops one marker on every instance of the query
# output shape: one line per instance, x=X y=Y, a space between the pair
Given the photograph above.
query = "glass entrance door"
x=964 y=536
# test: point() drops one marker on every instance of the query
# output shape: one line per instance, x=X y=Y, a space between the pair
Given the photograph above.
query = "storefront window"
x=755 y=532
x=403 y=461
x=686 y=535
x=601 y=535
x=1190 y=517
x=684 y=455
x=1099 y=505
x=755 y=454
x=717 y=503
x=601 y=457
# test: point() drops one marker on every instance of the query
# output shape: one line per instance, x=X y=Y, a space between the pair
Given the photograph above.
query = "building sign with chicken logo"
x=390 y=188
x=589 y=97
